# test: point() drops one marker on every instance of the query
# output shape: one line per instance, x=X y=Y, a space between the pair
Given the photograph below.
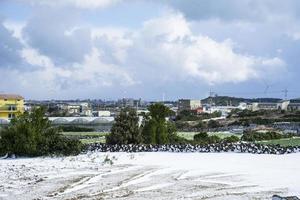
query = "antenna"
x=211 y=95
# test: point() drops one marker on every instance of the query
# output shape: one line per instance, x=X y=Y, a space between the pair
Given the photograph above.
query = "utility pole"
x=211 y=96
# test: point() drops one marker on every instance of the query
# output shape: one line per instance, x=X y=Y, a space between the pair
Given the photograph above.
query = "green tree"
x=31 y=134
x=125 y=130
x=155 y=128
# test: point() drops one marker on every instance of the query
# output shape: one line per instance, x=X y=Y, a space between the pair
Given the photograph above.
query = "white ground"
x=151 y=176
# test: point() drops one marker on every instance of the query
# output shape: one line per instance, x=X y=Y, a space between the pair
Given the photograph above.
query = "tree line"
x=153 y=129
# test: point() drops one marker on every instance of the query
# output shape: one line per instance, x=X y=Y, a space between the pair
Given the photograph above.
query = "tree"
x=125 y=130
x=31 y=134
x=155 y=128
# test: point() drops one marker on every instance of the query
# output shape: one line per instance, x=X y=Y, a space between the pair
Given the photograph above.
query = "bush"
x=258 y=136
x=200 y=136
x=31 y=134
x=204 y=138
x=231 y=139
x=213 y=124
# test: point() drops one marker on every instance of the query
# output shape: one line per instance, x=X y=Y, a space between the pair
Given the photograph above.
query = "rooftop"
x=10 y=96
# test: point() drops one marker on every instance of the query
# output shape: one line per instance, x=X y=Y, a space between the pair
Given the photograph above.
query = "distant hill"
x=234 y=101
x=295 y=100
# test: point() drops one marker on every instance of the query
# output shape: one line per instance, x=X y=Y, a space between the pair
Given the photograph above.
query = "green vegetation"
x=93 y=140
x=76 y=129
x=85 y=134
x=231 y=139
x=294 y=141
x=262 y=117
x=186 y=115
x=213 y=124
x=31 y=134
x=258 y=136
x=87 y=137
x=155 y=129
x=205 y=138
x=226 y=100
x=125 y=130
x=190 y=135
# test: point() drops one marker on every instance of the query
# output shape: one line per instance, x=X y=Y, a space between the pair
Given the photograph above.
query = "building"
x=264 y=106
x=188 y=104
x=102 y=113
x=11 y=105
x=77 y=109
x=293 y=106
x=282 y=105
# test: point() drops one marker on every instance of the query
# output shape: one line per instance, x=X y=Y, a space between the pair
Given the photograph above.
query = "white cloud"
x=164 y=49
x=169 y=45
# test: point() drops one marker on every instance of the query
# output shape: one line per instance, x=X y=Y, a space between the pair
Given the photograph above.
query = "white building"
x=103 y=113
x=282 y=105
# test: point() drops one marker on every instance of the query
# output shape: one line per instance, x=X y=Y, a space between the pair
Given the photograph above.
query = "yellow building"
x=11 y=105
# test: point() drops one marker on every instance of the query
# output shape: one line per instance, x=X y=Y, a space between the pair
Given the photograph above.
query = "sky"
x=149 y=49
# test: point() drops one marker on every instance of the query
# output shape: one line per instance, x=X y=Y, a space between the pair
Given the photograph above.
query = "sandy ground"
x=151 y=176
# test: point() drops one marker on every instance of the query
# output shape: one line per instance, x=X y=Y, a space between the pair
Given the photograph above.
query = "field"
x=295 y=141
x=93 y=137
x=99 y=137
x=190 y=135
x=158 y=176
x=87 y=137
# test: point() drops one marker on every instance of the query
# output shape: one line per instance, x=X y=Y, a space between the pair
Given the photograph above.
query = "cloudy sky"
x=110 y=49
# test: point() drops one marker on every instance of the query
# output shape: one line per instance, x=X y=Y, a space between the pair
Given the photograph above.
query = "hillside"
x=234 y=101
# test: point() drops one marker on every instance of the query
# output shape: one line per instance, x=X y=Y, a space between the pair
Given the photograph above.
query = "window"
x=11 y=115
x=12 y=108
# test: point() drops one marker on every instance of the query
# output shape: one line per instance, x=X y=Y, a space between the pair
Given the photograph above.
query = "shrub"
x=200 y=136
x=204 y=138
x=231 y=139
x=31 y=134
x=213 y=124
x=257 y=136
x=213 y=139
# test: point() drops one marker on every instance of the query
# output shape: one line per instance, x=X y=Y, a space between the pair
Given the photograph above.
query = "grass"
x=87 y=137
x=89 y=134
x=295 y=141
x=93 y=140
x=190 y=135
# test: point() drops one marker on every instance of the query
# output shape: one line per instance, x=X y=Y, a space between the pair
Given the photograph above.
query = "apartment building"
x=11 y=105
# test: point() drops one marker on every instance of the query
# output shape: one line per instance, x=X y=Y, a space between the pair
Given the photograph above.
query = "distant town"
x=189 y=114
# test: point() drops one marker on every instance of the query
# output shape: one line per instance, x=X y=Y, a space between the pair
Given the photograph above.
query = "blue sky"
x=111 y=49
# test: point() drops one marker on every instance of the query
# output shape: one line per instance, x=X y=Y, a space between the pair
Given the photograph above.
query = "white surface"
x=155 y=175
